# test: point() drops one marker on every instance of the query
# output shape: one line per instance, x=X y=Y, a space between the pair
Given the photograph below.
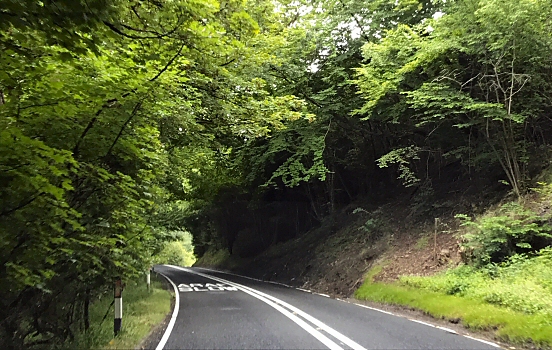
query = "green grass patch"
x=509 y=325
x=521 y=283
x=142 y=310
x=422 y=242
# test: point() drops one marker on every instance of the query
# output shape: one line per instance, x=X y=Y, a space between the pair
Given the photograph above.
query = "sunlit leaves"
x=481 y=66
x=110 y=112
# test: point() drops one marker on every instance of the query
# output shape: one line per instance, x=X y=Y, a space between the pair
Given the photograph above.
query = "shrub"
x=522 y=283
x=513 y=229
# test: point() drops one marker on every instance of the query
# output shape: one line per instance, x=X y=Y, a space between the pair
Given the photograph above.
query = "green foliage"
x=374 y=226
x=522 y=283
x=512 y=326
x=143 y=310
x=422 y=242
x=480 y=67
x=402 y=158
x=496 y=236
x=298 y=153
x=112 y=114
x=178 y=253
x=123 y=123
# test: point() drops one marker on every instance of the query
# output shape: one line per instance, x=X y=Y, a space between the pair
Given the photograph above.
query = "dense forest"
x=245 y=122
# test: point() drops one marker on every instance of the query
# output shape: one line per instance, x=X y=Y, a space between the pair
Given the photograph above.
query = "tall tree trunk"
x=86 y=311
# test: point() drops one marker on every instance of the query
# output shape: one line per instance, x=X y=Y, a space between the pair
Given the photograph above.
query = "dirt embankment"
x=334 y=258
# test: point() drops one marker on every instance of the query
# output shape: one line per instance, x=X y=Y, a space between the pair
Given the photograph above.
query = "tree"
x=479 y=68
x=104 y=106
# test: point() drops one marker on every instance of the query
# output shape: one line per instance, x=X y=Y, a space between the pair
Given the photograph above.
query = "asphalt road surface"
x=216 y=310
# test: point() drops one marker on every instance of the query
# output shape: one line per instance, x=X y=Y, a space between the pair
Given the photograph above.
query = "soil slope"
x=334 y=258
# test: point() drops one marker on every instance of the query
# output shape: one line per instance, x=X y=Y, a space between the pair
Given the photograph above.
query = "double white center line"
x=298 y=316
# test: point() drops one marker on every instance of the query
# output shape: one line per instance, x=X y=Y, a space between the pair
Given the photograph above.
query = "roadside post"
x=118 y=294
x=148 y=279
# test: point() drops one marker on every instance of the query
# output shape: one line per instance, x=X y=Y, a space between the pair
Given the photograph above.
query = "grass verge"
x=142 y=310
x=508 y=325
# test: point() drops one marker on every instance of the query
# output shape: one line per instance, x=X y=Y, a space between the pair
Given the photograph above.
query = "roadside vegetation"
x=143 y=310
x=507 y=325
x=522 y=283
x=180 y=253
x=266 y=129
x=504 y=281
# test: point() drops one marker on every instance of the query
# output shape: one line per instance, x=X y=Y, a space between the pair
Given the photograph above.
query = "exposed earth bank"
x=334 y=258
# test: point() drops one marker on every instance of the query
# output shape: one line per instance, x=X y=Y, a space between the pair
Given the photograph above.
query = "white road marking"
x=184 y=288
x=321 y=337
x=347 y=341
x=242 y=276
x=361 y=305
x=447 y=329
x=209 y=287
x=422 y=322
x=373 y=308
x=483 y=341
x=170 y=326
x=273 y=282
x=324 y=295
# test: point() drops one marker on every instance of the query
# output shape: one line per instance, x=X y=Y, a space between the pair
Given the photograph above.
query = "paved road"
x=223 y=311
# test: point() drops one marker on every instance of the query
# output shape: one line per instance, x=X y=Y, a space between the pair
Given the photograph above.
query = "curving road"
x=216 y=310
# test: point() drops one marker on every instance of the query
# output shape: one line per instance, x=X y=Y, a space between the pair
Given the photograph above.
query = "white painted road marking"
x=324 y=295
x=208 y=287
x=170 y=326
x=422 y=322
x=249 y=278
x=447 y=329
x=322 y=338
x=275 y=302
x=483 y=341
x=373 y=308
x=185 y=288
x=308 y=317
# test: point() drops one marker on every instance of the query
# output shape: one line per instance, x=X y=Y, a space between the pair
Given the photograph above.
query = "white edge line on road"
x=422 y=322
x=483 y=341
x=342 y=338
x=278 y=283
x=361 y=305
x=447 y=329
x=373 y=308
x=345 y=301
x=170 y=326
x=324 y=295
x=434 y=326
x=242 y=276
x=321 y=337
x=259 y=280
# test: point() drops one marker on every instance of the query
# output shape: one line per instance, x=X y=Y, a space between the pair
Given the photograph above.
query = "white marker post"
x=148 y=279
x=118 y=294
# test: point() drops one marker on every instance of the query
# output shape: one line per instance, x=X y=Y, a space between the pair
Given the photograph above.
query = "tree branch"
x=308 y=98
x=132 y=114
x=129 y=36
x=85 y=131
x=21 y=205
x=168 y=63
